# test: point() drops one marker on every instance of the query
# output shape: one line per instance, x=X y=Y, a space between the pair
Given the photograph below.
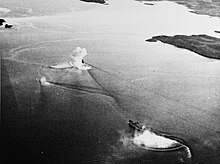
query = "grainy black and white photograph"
x=110 y=81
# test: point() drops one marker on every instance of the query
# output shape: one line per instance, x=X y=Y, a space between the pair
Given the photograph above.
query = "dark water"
x=63 y=123
x=82 y=117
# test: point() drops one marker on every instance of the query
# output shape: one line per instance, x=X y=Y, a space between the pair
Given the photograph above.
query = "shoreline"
x=202 y=7
x=203 y=45
x=189 y=5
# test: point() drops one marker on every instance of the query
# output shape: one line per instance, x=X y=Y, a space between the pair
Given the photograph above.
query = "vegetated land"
x=201 y=44
x=205 y=7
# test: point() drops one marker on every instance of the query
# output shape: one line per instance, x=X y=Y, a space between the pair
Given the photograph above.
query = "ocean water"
x=83 y=118
x=4 y=10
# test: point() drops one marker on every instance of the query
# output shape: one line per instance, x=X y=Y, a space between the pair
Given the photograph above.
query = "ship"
x=136 y=125
x=176 y=145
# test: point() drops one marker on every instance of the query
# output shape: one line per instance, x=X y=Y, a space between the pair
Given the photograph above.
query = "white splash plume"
x=150 y=139
x=77 y=58
x=43 y=81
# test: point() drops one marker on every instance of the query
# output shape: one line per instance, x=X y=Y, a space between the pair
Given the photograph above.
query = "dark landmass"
x=217 y=31
x=96 y=1
x=150 y=4
x=8 y=26
x=204 y=7
x=2 y=21
x=201 y=44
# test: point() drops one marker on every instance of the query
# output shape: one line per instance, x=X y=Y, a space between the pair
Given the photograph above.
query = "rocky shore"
x=204 y=45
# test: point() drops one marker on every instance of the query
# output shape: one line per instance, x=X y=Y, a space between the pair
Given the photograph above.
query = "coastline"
x=203 y=45
x=202 y=7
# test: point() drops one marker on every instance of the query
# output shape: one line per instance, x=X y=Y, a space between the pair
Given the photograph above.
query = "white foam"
x=150 y=139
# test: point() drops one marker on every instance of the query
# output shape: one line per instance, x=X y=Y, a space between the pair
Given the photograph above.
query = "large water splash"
x=76 y=60
x=155 y=142
x=43 y=81
x=151 y=140
x=134 y=142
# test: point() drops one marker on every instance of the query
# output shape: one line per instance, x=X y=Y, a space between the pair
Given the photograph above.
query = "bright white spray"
x=77 y=58
x=43 y=81
x=150 y=139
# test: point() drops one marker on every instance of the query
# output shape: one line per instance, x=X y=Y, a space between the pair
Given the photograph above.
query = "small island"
x=203 y=45
x=150 y=4
x=95 y=1
x=8 y=26
x=2 y=21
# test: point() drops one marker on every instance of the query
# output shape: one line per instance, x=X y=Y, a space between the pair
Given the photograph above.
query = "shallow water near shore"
x=84 y=117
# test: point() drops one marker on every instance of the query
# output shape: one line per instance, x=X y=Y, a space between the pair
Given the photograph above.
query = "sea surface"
x=83 y=118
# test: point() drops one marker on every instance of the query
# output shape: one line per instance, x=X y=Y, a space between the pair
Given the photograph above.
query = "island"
x=2 y=21
x=150 y=4
x=203 y=45
x=95 y=1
